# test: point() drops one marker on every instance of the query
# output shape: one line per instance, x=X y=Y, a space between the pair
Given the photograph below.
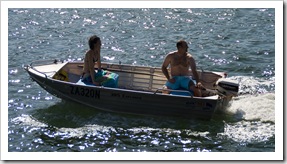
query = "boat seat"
x=182 y=92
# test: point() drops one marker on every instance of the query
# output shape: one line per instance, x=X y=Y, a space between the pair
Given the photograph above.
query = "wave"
x=256 y=100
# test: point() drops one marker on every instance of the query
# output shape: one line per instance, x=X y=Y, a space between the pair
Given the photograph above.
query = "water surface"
x=238 y=41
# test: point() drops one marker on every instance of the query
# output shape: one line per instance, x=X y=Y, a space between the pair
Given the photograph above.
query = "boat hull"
x=129 y=101
x=139 y=90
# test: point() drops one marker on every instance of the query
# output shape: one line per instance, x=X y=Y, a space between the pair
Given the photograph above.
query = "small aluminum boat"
x=140 y=90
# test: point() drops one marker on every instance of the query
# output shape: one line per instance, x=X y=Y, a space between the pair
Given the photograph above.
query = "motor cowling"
x=227 y=87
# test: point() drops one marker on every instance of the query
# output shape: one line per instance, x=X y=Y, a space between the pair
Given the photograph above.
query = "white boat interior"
x=142 y=78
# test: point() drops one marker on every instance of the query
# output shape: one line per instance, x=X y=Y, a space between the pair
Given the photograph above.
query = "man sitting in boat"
x=180 y=61
x=99 y=77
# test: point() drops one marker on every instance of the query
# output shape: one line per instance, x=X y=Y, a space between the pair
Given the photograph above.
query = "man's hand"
x=199 y=85
x=172 y=80
x=97 y=83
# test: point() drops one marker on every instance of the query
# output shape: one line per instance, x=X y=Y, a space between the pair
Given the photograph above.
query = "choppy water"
x=238 y=41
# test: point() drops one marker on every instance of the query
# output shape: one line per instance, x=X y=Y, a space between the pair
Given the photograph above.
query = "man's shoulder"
x=172 y=53
x=89 y=52
x=189 y=56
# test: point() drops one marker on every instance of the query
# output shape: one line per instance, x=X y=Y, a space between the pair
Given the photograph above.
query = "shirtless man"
x=180 y=61
x=92 y=56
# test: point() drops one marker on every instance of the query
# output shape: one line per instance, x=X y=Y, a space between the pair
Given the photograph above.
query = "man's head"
x=94 y=40
x=182 y=45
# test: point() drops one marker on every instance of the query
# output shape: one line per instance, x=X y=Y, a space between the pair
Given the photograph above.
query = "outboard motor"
x=227 y=87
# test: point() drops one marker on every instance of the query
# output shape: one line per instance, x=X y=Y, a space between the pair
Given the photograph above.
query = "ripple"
x=249 y=132
x=14 y=81
x=13 y=71
x=217 y=39
x=27 y=120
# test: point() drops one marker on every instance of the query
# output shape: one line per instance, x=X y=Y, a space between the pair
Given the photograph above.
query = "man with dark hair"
x=99 y=77
x=180 y=61
x=92 y=56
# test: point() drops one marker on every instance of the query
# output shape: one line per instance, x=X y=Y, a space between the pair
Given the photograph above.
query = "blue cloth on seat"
x=182 y=93
x=106 y=78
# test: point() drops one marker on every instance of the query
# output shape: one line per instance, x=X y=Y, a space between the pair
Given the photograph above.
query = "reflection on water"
x=68 y=126
x=38 y=121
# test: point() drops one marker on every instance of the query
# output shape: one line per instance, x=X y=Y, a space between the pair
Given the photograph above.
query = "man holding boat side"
x=180 y=61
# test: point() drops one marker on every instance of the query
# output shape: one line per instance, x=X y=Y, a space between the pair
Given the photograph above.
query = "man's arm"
x=194 y=71
x=164 y=67
x=91 y=66
x=99 y=61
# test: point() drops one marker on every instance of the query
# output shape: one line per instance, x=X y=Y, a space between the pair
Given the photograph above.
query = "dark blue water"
x=238 y=41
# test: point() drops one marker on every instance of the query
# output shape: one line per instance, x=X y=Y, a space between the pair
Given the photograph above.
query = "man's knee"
x=165 y=90
x=196 y=91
